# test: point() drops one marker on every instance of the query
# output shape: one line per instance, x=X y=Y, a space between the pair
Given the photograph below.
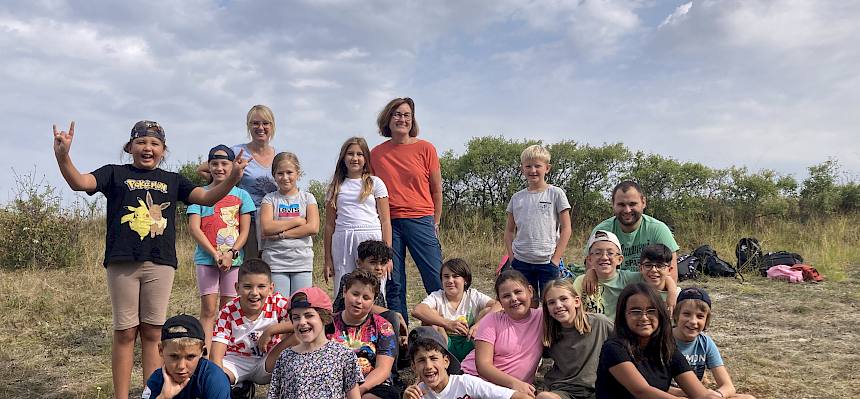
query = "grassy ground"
x=779 y=340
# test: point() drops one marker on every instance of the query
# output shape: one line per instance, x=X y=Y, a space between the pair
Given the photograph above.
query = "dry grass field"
x=779 y=340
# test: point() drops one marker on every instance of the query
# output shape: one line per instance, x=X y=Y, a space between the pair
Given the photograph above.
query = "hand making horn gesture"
x=63 y=140
x=239 y=165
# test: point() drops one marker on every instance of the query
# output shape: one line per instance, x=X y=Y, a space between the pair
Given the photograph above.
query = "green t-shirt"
x=650 y=231
x=606 y=297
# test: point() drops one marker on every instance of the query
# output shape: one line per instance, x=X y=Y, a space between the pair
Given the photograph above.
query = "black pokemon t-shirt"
x=141 y=212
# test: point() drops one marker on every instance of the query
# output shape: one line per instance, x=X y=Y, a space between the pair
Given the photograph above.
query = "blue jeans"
x=537 y=274
x=288 y=283
x=419 y=236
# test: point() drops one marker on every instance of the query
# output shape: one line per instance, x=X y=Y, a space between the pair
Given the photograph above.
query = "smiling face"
x=146 y=152
x=453 y=283
x=260 y=128
x=628 y=206
x=515 y=298
x=220 y=168
x=562 y=305
x=654 y=273
x=692 y=320
x=354 y=161
x=358 y=299
x=535 y=171
x=253 y=289
x=401 y=121
x=604 y=257
x=642 y=316
x=308 y=325
x=180 y=361
x=286 y=175
x=430 y=366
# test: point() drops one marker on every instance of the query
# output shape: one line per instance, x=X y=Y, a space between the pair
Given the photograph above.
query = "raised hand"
x=63 y=139
x=239 y=165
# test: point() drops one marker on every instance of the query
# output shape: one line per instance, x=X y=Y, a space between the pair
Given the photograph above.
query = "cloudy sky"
x=766 y=84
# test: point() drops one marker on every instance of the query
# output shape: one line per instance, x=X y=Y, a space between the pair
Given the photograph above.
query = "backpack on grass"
x=749 y=254
x=711 y=264
x=778 y=258
x=687 y=267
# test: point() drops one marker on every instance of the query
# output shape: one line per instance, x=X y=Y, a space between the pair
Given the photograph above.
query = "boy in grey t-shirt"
x=538 y=226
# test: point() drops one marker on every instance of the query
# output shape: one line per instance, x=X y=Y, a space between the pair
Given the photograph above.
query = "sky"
x=762 y=84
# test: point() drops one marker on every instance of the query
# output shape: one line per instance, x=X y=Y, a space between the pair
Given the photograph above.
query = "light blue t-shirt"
x=221 y=228
x=257 y=179
x=701 y=353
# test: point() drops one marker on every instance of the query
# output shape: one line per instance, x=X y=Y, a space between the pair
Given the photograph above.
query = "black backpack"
x=778 y=258
x=687 y=267
x=749 y=254
x=711 y=264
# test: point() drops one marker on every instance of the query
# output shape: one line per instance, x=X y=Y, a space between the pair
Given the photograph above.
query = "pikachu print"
x=146 y=218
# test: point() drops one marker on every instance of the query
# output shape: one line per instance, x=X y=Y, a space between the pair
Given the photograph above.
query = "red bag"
x=809 y=273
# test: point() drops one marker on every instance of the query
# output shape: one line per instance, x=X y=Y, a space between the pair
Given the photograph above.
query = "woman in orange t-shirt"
x=410 y=169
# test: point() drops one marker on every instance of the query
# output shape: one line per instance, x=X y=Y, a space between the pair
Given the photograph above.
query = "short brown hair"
x=459 y=267
x=385 y=117
x=255 y=266
x=363 y=277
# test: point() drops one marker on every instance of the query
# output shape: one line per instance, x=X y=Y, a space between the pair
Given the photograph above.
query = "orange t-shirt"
x=405 y=169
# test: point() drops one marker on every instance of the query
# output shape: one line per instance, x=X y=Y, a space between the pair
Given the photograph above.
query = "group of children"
x=307 y=345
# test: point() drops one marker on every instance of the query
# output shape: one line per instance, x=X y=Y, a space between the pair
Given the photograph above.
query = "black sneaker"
x=243 y=390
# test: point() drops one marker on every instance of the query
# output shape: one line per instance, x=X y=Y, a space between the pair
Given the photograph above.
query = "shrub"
x=36 y=230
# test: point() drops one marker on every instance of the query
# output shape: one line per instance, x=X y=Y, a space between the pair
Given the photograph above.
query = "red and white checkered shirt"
x=240 y=334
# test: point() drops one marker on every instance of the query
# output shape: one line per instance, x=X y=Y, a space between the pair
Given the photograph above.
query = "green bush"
x=36 y=230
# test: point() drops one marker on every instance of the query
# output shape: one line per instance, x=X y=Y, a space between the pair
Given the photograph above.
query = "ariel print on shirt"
x=146 y=218
x=221 y=228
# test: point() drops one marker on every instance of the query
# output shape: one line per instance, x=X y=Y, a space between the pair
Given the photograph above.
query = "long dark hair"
x=661 y=344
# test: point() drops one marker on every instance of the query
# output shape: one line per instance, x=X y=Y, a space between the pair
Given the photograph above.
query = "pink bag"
x=784 y=272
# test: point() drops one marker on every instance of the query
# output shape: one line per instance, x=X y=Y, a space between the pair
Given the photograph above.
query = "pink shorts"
x=212 y=280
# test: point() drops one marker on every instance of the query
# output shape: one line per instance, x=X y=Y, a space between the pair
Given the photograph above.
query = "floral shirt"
x=372 y=338
x=326 y=373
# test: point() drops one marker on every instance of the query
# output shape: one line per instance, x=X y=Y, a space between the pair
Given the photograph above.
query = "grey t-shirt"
x=290 y=254
x=536 y=216
x=575 y=358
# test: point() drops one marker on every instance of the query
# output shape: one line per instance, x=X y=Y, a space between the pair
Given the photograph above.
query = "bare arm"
x=216 y=355
x=694 y=388
x=627 y=374
x=353 y=393
x=244 y=230
x=217 y=191
x=564 y=230
x=272 y=227
x=510 y=230
x=724 y=381
x=203 y=171
x=674 y=266
x=328 y=233
x=384 y=219
x=487 y=370
x=431 y=317
x=436 y=193
x=310 y=227
x=62 y=145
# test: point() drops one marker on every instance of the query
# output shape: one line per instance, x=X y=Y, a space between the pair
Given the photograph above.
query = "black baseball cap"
x=694 y=293
x=429 y=333
x=192 y=326
x=221 y=147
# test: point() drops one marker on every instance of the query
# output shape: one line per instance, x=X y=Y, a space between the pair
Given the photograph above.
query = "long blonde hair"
x=551 y=326
x=340 y=173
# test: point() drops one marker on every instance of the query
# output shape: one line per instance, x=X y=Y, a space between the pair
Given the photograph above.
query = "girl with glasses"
x=642 y=359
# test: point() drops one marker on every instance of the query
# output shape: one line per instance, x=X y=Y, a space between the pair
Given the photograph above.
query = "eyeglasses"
x=260 y=123
x=638 y=313
x=401 y=115
x=649 y=265
x=602 y=253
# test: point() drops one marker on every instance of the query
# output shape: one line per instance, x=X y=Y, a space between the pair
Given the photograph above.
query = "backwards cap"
x=694 y=293
x=603 y=235
x=192 y=327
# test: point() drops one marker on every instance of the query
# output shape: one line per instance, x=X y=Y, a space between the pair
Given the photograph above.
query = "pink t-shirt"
x=406 y=169
x=517 y=344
